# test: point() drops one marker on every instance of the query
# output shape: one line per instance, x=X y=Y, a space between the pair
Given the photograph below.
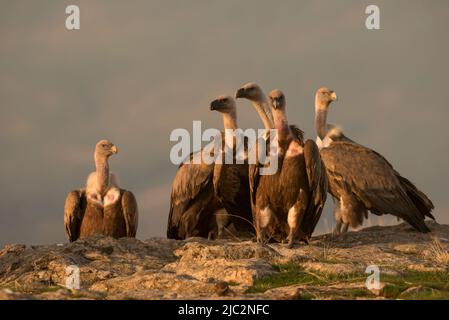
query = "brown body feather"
x=364 y=180
x=300 y=182
x=74 y=208
x=200 y=190
x=83 y=218
x=281 y=191
x=192 y=201
x=318 y=186
x=101 y=208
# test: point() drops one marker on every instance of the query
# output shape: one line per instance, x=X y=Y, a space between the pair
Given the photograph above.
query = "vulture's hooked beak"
x=240 y=93
x=114 y=149
x=276 y=103
x=334 y=96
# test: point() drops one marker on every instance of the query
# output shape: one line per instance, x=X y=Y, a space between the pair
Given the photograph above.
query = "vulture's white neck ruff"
x=333 y=132
x=94 y=195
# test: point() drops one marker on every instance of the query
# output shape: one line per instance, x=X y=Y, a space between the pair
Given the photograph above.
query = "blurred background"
x=136 y=70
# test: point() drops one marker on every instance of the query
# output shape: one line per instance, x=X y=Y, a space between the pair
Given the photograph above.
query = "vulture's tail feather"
x=419 y=199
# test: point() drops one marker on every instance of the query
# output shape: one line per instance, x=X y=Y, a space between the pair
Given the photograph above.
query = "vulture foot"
x=340 y=228
x=261 y=236
x=337 y=229
x=289 y=245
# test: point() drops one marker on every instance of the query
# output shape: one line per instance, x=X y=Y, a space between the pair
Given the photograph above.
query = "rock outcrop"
x=329 y=267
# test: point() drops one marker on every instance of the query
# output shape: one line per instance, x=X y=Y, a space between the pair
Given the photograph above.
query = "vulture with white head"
x=231 y=179
x=294 y=196
x=254 y=93
x=207 y=198
x=362 y=180
x=102 y=207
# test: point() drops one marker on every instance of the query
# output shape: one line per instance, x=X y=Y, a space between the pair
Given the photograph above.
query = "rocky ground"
x=412 y=266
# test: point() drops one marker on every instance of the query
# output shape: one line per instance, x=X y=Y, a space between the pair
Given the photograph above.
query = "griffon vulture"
x=192 y=201
x=207 y=198
x=254 y=93
x=362 y=180
x=101 y=207
x=231 y=179
x=296 y=193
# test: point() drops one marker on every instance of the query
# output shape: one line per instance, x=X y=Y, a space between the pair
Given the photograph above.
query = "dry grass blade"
x=328 y=248
x=439 y=253
x=236 y=216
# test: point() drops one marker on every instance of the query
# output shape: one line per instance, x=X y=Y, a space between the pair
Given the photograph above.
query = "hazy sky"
x=139 y=69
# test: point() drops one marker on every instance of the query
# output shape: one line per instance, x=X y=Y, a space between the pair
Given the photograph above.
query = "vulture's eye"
x=104 y=146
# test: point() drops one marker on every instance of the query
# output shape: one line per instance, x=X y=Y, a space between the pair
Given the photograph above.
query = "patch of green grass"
x=436 y=280
x=11 y=287
x=427 y=295
x=51 y=289
x=439 y=281
x=79 y=294
x=307 y=296
x=359 y=293
x=292 y=273
x=232 y=283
